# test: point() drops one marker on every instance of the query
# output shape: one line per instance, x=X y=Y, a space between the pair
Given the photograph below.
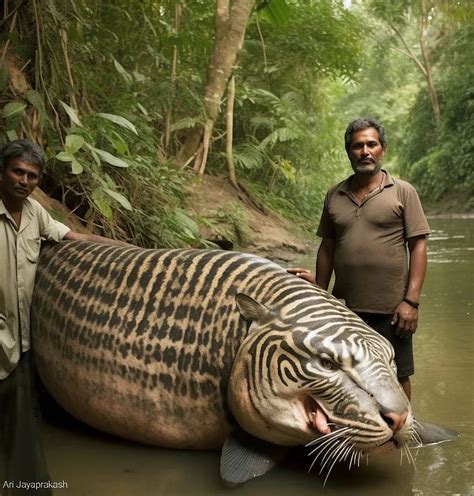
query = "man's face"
x=366 y=152
x=18 y=180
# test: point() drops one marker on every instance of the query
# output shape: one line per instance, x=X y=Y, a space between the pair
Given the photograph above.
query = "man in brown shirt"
x=368 y=222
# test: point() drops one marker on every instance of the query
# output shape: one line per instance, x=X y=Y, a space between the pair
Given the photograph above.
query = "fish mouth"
x=319 y=422
x=317 y=417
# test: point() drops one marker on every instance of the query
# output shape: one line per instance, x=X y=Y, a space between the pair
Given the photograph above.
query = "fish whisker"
x=328 y=438
x=334 y=453
x=319 y=439
x=337 y=457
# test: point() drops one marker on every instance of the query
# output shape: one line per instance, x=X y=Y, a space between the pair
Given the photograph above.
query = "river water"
x=98 y=465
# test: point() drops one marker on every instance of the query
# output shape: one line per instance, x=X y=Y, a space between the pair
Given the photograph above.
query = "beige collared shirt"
x=19 y=251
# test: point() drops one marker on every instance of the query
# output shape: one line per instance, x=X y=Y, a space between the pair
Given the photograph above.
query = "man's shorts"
x=403 y=346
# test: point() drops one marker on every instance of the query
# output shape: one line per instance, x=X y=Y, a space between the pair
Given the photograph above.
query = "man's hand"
x=302 y=273
x=406 y=317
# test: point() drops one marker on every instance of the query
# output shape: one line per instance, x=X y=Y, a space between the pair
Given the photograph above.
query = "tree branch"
x=425 y=54
x=262 y=41
x=410 y=52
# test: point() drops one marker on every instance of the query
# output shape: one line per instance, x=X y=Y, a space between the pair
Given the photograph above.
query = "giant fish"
x=210 y=349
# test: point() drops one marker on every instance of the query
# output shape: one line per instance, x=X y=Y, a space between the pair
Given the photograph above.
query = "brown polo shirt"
x=371 y=259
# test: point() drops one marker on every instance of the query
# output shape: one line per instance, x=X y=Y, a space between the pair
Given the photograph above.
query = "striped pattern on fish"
x=150 y=345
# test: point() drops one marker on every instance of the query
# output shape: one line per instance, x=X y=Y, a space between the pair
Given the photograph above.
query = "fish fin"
x=252 y=310
x=431 y=434
x=245 y=457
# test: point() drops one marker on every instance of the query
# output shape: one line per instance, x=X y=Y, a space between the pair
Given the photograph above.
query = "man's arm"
x=405 y=314
x=74 y=236
x=325 y=262
x=324 y=265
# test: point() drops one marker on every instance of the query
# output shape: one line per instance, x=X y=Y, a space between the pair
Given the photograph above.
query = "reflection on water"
x=95 y=464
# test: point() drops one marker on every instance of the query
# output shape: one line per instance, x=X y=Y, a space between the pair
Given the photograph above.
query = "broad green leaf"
x=120 y=198
x=72 y=113
x=262 y=121
x=73 y=143
x=13 y=109
x=266 y=94
x=102 y=203
x=280 y=135
x=142 y=109
x=121 y=121
x=36 y=100
x=276 y=11
x=139 y=77
x=95 y=156
x=249 y=156
x=110 y=159
x=125 y=74
x=120 y=145
x=185 y=123
x=108 y=182
x=186 y=222
x=150 y=25
x=12 y=135
x=270 y=69
x=64 y=157
x=76 y=166
x=104 y=207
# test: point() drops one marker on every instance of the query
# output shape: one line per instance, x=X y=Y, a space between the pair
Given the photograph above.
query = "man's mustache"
x=366 y=159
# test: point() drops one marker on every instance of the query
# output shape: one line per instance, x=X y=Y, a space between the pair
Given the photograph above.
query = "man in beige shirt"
x=23 y=224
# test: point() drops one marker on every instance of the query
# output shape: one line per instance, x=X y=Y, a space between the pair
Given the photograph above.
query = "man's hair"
x=359 y=125
x=24 y=150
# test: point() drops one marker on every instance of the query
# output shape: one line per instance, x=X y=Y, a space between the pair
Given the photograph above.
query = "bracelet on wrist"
x=412 y=303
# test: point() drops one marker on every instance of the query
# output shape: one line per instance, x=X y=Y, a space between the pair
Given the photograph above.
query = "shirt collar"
x=344 y=187
x=26 y=213
x=3 y=209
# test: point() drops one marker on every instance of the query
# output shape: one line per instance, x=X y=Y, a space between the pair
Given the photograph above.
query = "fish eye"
x=327 y=364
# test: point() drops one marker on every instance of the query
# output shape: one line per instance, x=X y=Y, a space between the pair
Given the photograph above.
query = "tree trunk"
x=424 y=51
x=169 y=114
x=230 y=130
x=230 y=25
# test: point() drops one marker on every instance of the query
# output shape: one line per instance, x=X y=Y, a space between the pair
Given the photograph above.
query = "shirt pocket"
x=32 y=249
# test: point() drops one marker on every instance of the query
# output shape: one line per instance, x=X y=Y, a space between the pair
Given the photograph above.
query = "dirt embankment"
x=58 y=211
x=266 y=234
x=227 y=215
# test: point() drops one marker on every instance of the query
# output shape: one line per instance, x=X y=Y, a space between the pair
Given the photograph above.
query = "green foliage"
x=104 y=72
x=439 y=159
x=275 y=11
x=118 y=87
x=435 y=158
x=228 y=224
x=288 y=140
x=295 y=151
x=234 y=217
